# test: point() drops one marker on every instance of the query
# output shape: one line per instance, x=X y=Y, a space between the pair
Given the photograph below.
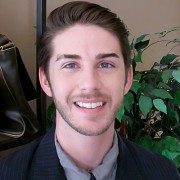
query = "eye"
x=70 y=66
x=106 y=65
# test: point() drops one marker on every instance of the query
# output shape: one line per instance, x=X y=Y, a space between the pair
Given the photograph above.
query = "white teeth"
x=89 y=105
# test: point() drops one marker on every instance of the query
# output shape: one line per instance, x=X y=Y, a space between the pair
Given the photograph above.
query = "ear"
x=128 y=80
x=44 y=82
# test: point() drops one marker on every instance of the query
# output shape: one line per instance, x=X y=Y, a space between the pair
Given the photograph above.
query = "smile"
x=89 y=105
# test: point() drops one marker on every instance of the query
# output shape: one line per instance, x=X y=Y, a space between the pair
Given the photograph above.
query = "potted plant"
x=150 y=114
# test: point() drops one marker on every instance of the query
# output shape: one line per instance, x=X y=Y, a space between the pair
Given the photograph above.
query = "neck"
x=86 y=151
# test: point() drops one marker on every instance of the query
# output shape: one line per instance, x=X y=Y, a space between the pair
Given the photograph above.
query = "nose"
x=89 y=80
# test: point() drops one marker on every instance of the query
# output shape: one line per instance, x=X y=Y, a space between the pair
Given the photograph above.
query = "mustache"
x=87 y=96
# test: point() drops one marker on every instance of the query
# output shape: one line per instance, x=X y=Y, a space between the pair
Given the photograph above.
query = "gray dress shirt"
x=105 y=171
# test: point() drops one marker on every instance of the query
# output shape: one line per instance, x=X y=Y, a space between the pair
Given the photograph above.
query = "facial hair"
x=65 y=113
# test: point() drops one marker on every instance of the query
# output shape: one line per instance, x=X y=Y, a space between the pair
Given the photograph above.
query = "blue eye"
x=105 y=65
x=70 y=66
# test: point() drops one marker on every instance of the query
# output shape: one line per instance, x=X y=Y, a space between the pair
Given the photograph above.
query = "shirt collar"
x=106 y=170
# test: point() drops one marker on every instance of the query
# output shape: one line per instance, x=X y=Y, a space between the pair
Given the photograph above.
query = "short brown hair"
x=79 y=12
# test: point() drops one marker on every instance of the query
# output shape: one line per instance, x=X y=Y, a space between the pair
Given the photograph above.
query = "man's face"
x=86 y=78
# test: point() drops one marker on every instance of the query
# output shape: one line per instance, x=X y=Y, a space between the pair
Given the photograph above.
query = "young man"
x=85 y=65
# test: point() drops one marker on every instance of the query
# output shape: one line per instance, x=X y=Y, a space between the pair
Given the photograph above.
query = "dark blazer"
x=39 y=161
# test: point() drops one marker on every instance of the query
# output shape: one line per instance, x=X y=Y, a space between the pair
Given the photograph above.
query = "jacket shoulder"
x=18 y=162
x=152 y=165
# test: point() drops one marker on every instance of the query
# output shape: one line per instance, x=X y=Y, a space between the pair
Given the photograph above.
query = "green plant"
x=51 y=115
x=152 y=107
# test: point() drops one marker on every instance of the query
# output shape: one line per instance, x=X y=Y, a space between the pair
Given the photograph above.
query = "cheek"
x=118 y=91
x=61 y=88
x=117 y=83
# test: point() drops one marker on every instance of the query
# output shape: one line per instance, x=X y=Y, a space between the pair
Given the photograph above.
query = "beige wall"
x=18 y=18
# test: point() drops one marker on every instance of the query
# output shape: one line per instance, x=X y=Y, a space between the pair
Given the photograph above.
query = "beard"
x=65 y=113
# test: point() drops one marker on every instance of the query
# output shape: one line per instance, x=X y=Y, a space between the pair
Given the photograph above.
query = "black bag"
x=16 y=117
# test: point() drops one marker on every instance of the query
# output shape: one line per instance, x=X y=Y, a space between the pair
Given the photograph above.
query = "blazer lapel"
x=126 y=165
x=45 y=164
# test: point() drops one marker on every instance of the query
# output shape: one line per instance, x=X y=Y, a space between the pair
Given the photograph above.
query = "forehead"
x=89 y=38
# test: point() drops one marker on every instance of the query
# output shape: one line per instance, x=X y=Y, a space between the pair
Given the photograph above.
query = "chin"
x=95 y=130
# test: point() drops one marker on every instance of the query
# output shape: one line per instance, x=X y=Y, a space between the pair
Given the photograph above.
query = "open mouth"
x=89 y=105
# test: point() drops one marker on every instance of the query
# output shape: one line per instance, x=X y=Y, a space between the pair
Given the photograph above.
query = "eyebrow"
x=107 y=55
x=75 y=56
x=68 y=56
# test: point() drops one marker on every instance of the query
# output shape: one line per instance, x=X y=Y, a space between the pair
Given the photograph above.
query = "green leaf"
x=160 y=105
x=141 y=45
x=161 y=93
x=170 y=154
x=177 y=161
x=177 y=98
x=137 y=76
x=129 y=120
x=147 y=87
x=173 y=117
x=152 y=76
x=145 y=105
x=135 y=86
x=146 y=141
x=166 y=75
x=171 y=143
x=140 y=38
x=176 y=75
x=51 y=113
x=128 y=101
x=167 y=153
x=168 y=59
x=164 y=86
x=120 y=113
x=138 y=57
x=158 y=146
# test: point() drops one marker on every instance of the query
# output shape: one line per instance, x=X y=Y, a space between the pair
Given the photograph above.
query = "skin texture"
x=86 y=69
